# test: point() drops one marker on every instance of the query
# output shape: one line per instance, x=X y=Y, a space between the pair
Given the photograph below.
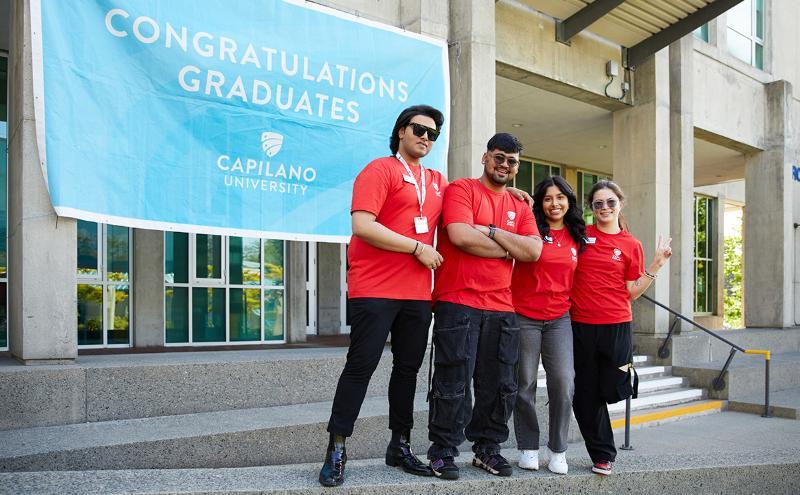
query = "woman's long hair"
x=613 y=187
x=573 y=219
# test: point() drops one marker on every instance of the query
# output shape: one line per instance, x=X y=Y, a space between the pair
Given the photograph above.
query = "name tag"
x=591 y=240
x=547 y=239
x=421 y=225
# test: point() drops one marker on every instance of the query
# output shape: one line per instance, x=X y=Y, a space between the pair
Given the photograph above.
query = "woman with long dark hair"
x=541 y=292
x=610 y=275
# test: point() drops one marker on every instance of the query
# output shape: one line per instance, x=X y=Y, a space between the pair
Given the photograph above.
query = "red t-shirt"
x=541 y=289
x=480 y=283
x=600 y=293
x=382 y=190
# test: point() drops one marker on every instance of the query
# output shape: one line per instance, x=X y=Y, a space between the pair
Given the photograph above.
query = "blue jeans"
x=481 y=347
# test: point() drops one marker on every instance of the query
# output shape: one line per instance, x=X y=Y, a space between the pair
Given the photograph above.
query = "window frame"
x=102 y=279
x=579 y=190
x=710 y=262
x=201 y=283
x=753 y=37
x=533 y=162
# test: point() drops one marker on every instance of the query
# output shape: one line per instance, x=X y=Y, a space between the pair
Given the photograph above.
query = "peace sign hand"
x=663 y=251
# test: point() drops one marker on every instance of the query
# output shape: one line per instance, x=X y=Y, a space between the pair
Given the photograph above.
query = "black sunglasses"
x=500 y=158
x=419 y=130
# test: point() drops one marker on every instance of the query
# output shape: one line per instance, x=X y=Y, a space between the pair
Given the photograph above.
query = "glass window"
x=746 y=32
x=243 y=303
x=176 y=258
x=104 y=303
x=701 y=33
x=176 y=317
x=704 y=266
x=585 y=182
x=88 y=247
x=532 y=173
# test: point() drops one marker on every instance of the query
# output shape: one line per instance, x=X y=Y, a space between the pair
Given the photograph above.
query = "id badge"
x=421 y=225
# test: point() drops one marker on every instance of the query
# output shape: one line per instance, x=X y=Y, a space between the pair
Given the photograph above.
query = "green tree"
x=733 y=280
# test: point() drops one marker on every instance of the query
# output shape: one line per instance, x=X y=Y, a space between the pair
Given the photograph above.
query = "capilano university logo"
x=271 y=143
x=264 y=175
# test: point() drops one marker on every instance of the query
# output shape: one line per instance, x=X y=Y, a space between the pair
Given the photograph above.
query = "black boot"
x=399 y=453
x=332 y=472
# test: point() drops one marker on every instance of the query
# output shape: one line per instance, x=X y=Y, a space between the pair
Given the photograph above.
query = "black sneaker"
x=445 y=468
x=494 y=463
x=402 y=455
x=332 y=472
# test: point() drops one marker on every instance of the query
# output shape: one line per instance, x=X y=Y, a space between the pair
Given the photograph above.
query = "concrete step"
x=127 y=386
x=783 y=404
x=745 y=376
x=237 y=438
x=648 y=379
x=730 y=453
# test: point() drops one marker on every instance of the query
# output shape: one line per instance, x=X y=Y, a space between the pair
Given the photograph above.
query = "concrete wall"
x=528 y=52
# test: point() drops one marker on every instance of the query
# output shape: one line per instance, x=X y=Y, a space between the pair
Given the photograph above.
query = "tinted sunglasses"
x=419 y=130
x=500 y=158
x=598 y=205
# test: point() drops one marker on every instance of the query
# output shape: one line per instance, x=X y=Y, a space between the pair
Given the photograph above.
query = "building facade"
x=703 y=126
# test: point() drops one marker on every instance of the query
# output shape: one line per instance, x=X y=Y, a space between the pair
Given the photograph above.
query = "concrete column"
x=295 y=291
x=429 y=17
x=681 y=154
x=642 y=169
x=472 y=85
x=768 y=233
x=148 y=288
x=329 y=290
x=42 y=247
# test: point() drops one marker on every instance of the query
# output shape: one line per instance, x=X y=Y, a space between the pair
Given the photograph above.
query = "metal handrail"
x=717 y=383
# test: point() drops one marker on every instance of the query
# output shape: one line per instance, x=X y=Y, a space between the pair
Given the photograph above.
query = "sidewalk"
x=728 y=452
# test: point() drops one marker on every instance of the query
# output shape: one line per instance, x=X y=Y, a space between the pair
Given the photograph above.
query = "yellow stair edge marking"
x=670 y=413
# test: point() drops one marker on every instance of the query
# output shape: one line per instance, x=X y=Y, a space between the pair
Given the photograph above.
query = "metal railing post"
x=766 y=389
x=627 y=445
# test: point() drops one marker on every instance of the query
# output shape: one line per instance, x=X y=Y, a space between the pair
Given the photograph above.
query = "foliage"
x=733 y=280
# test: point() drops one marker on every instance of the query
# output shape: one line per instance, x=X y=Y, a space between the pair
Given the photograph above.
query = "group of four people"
x=510 y=283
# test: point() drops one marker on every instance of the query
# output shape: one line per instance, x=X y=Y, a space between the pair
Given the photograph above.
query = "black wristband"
x=416 y=246
x=492 y=228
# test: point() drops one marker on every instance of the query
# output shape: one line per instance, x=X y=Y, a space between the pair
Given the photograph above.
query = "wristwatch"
x=492 y=229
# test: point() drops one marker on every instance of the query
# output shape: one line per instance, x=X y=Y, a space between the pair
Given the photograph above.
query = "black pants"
x=599 y=351
x=478 y=346
x=371 y=321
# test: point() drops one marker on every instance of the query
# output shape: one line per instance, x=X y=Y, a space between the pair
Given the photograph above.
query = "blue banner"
x=238 y=118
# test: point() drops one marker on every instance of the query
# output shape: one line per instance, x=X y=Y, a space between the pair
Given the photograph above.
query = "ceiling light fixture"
x=516 y=125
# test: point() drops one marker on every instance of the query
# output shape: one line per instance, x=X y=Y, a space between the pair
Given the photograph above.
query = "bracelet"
x=492 y=229
x=421 y=250
x=649 y=275
x=416 y=246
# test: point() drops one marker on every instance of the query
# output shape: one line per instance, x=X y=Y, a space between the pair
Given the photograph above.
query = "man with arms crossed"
x=396 y=206
x=476 y=337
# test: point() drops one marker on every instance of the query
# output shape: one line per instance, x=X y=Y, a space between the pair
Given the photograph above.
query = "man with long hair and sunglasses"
x=395 y=209
x=476 y=337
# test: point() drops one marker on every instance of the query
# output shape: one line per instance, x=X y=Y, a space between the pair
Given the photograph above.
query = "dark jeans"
x=472 y=345
x=371 y=321
x=599 y=352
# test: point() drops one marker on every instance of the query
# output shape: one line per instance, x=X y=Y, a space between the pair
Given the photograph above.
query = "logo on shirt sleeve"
x=436 y=188
x=511 y=216
x=574 y=253
x=617 y=255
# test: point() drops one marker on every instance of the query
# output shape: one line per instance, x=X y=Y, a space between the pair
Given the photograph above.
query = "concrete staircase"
x=237 y=409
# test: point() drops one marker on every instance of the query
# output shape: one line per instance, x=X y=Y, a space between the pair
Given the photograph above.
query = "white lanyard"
x=420 y=194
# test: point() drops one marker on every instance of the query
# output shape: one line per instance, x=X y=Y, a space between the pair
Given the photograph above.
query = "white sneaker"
x=529 y=459
x=558 y=462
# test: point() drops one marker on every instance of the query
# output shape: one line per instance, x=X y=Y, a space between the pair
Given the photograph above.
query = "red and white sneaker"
x=602 y=467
